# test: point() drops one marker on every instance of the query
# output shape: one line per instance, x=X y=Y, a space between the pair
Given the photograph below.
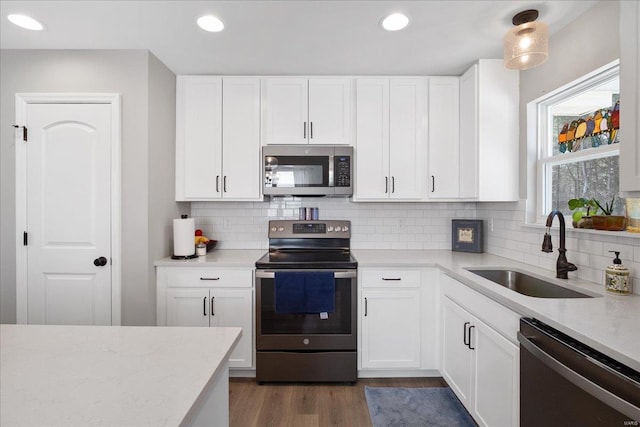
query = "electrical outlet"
x=491 y=224
x=401 y=224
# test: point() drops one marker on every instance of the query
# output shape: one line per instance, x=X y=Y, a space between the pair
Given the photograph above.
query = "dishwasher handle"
x=580 y=381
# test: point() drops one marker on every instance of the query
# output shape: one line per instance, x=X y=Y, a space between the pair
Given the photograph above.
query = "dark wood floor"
x=308 y=405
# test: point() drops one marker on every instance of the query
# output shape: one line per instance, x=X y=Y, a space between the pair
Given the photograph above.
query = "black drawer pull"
x=209 y=278
x=396 y=279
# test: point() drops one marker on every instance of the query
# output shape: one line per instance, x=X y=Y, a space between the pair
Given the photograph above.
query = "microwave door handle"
x=331 y=167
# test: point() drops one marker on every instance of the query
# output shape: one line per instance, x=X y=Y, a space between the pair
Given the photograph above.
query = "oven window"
x=338 y=322
x=296 y=171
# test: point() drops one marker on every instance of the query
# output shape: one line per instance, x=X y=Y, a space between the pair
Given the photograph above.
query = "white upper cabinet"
x=489 y=103
x=389 y=138
x=630 y=98
x=298 y=110
x=444 y=141
x=217 y=138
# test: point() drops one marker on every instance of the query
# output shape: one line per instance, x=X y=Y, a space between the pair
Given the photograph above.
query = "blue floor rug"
x=399 y=406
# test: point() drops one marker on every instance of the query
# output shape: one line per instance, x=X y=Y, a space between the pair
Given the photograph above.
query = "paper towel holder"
x=184 y=257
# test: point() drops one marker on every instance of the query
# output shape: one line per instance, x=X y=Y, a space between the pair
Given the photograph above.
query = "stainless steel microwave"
x=307 y=170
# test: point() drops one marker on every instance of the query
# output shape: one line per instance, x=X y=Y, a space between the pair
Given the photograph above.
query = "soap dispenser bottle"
x=616 y=277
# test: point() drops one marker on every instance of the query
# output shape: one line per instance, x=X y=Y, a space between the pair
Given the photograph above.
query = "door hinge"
x=24 y=132
x=25 y=238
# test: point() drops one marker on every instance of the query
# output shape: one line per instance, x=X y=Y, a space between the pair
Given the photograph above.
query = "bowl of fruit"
x=202 y=239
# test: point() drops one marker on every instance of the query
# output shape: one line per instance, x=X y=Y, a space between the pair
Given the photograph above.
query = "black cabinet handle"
x=204 y=306
x=212 y=313
x=311 y=130
x=224 y=184
x=217 y=183
x=304 y=131
x=209 y=278
x=469 y=345
x=365 y=307
x=386 y=184
x=392 y=278
x=393 y=184
x=100 y=262
x=433 y=183
x=464 y=338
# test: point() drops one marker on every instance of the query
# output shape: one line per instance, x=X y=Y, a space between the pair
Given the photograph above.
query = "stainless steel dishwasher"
x=563 y=382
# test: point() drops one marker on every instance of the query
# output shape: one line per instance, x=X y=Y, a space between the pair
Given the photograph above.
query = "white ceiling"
x=285 y=37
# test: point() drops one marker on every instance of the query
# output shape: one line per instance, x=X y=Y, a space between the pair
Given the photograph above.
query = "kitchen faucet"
x=562 y=265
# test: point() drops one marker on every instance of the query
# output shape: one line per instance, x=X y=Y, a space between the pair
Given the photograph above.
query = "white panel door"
x=391 y=329
x=444 y=153
x=199 y=137
x=234 y=308
x=330 y=111
x=188 y=307
x=241 y=138
x=405 y=138
x=69 y=213
x=497 y=378
x=284 y=116
x=457 y=358
x=372 y=139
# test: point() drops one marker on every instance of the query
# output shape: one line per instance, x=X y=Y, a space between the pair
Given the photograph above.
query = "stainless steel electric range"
x=309 y=266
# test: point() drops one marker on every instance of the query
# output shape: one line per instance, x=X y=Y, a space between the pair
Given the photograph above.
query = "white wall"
x=124 y=72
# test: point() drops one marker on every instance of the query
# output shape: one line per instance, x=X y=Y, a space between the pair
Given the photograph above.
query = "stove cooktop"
x=307 y=260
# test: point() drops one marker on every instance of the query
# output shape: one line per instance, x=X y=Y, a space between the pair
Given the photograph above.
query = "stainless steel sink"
x=528 y=285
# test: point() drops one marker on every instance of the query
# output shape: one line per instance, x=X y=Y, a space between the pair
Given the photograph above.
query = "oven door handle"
x=578 y=380
x=340 y=274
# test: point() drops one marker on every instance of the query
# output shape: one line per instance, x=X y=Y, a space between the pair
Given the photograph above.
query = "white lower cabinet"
x=394 y=325
x=480 y=365
x=209 y=297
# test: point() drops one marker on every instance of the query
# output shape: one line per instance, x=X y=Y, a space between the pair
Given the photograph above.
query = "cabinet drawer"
x=390 y=278
x=208 y=278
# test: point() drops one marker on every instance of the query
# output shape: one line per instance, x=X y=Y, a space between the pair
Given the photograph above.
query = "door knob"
x=100 y=262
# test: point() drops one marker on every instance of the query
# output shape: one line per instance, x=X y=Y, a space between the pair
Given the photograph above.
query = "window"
x=578 y=151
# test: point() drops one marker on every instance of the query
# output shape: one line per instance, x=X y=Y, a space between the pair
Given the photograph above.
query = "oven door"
x=291 y=332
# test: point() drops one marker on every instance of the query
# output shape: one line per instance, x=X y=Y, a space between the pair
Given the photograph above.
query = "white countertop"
x=608 y=323
x=106 y=375
x=218 y=258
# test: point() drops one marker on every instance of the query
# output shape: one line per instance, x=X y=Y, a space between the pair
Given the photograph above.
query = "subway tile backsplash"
x=243 y=225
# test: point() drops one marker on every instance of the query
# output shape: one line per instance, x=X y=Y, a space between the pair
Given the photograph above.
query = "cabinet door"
x=231 y=307
x=372 y=139
x=391 y=328
x=444 y=153
x=188 y=307
x=456 y=356
x=469 y=133
x=497 y=378
x=330 y=111
x=284 y=112
x=630 y=97
x=241 y=138
x=405 y=138
x=198 y=137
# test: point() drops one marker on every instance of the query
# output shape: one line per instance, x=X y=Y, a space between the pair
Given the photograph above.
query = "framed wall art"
x=467 y=235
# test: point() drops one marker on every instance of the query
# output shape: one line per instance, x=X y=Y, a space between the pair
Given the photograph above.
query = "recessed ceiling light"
x=25 y=22
x=210 y=23
x=395 y=22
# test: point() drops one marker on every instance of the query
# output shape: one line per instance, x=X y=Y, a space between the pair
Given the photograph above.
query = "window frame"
x=539 y=133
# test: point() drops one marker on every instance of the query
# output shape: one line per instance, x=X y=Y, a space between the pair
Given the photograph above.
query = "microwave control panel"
x=342 y=171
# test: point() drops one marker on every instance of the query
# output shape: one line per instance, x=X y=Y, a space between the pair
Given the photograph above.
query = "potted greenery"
x=582 y=208
x=607 y=221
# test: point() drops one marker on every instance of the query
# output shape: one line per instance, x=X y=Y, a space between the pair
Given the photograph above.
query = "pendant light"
x=527 y=44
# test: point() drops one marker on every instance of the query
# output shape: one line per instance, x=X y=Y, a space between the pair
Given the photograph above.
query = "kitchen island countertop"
x=111 y=375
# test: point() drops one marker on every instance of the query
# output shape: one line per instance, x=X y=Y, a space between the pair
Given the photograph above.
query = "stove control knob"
x=281 y=229
x=274 y=228
x=345 y=228
x=338 y=228
x=305 y=341
x=330 y=228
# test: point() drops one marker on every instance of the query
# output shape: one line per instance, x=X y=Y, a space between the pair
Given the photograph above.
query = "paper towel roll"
x=183 y=237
